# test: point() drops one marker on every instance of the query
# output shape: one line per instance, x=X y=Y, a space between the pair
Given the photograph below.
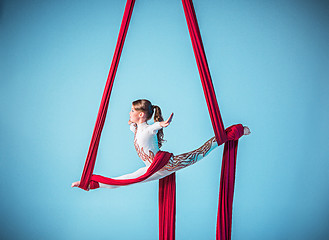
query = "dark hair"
x=146 y=107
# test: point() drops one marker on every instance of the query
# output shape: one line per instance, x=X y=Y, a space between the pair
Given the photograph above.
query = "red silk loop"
x=234 y=132
x=159 y=161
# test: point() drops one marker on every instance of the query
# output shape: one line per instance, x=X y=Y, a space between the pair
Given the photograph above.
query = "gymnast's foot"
x=76 y=184
x=246 y=130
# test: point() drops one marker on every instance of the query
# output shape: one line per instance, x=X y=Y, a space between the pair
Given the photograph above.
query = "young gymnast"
x=148 y=140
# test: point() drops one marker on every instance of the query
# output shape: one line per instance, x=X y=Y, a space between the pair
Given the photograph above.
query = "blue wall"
x=269 y=62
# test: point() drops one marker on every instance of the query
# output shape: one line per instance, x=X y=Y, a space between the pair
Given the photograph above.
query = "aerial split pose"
x=148 y=140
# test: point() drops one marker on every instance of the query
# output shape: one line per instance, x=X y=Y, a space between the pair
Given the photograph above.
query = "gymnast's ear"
x=141 y=114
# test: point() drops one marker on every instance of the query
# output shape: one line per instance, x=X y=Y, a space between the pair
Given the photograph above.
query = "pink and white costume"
x=146 y=145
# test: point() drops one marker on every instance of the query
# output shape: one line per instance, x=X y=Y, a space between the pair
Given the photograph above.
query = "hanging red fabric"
x=224 y=217
x=204 y=72
x=93 y=147
x=167 y=207
x=227 y=179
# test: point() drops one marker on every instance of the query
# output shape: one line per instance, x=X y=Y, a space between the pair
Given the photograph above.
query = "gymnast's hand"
x=246 y=130
x=167 y=122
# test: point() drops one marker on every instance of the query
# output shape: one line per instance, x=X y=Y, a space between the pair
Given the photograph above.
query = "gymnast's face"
x=136 y=116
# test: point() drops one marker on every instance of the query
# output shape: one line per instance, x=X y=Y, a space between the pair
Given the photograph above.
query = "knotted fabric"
x=226 y=185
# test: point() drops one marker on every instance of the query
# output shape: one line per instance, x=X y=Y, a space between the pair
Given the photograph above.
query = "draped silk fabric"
x=204 y=72
x=226 y=185
x=93 y=147
x=167 y=207
x=159 y=161
x=167 y=185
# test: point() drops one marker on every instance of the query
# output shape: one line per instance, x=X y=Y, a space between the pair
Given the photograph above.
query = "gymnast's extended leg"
x=180 y=161
x=175 y=163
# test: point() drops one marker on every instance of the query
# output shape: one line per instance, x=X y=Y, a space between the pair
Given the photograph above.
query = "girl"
x=148 y=140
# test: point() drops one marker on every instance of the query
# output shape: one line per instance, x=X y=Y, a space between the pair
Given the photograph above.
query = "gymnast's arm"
x=158 y=125
x=167 y=122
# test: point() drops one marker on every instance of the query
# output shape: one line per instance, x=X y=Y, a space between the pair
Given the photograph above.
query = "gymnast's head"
x=142 y=110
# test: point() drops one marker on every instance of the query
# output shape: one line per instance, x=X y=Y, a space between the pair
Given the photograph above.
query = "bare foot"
x=246 y=130
x=76 y=184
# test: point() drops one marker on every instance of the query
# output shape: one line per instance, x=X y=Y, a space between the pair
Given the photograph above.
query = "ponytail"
x=146 y=106
x=158 y=118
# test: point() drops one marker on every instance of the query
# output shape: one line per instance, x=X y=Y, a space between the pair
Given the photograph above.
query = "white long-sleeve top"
x=146 y=141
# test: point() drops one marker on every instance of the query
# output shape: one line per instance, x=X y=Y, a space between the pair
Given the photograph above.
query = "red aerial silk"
x=167 y=187
x=93 y=147
x=227 y=179
x=233 y=133
x=167 y=207
x=204 y=72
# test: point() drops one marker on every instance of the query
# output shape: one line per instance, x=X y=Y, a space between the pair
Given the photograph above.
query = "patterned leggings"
x=174 y=164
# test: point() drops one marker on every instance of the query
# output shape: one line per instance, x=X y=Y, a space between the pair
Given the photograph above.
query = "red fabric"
x=204 y=72
x=167 y=207
x=159 y=161
x=227 y=179
x=93 y=147
x=230 y=136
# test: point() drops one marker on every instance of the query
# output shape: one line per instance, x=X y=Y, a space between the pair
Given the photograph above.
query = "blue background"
x=269 y=62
